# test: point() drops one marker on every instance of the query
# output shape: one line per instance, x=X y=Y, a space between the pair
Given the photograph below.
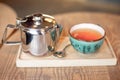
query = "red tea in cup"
x=86 y=34
x=86 y=37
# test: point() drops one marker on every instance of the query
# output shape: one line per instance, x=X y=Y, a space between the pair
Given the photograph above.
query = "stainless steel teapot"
x=39 y=33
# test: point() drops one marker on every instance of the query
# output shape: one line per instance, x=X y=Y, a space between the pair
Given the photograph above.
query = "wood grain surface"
x=9 y=71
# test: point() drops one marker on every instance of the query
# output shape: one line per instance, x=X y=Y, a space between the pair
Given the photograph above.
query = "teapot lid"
x=38 y=21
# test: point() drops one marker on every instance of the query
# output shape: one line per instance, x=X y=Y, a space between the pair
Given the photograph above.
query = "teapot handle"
x=58 y=34
x=60 y=28
x=4 y=41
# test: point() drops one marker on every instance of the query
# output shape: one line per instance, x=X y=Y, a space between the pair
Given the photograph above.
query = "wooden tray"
x=105 y=56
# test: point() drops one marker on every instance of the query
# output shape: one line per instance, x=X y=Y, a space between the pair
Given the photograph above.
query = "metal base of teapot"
x=38 y=55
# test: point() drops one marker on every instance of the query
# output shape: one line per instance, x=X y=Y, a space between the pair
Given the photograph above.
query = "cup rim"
x=86 y=40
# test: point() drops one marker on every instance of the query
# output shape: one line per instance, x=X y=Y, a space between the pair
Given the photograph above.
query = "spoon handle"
x=66 y=46
x=61 y=54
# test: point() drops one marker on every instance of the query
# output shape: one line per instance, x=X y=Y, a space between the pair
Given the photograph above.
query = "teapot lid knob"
x=36 y=18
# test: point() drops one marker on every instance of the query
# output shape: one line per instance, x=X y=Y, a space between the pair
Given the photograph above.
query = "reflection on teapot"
x=39 y=34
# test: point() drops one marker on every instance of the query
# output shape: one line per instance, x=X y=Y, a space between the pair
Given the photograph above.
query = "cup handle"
x=4 y=41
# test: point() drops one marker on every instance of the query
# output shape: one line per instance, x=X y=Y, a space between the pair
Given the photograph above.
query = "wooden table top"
x=9 y=71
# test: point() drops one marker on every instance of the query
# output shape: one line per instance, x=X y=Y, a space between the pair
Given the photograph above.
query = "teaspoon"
x=61 y=54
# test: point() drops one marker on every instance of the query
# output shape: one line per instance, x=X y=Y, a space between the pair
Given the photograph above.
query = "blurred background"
x=25 y=7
